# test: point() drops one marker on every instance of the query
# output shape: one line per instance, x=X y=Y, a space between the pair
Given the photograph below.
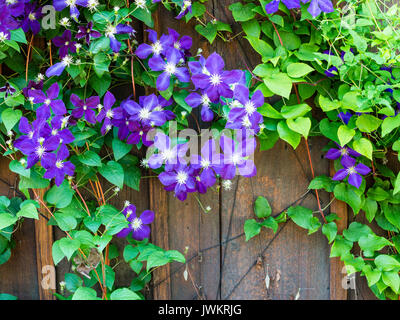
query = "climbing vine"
x=66 y=127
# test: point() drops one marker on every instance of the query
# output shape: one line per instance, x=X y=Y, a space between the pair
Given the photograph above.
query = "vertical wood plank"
x=160 y=237
x=44 y=259
x=337 y=292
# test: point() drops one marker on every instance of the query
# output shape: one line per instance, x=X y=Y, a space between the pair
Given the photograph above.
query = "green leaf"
x=17 y=167
x=251 y=228
x=368 y=123
x=57 y=253
x=6 y=296
x=322 y=182
x=114 y=173
x=298 y=70
x=340 y=247
x=209 y=31
x=130 y=253
x=345 y=134
x=295 y=111
x=279 y=83
x=10 y=118
x=330 y=231
x=124 y=294
x=300 y=125
x=370 y=208
x=60 y=196
x=84 y=293
x=252 y=28
x=262 y=47
x=371 y=243
x=363 y=146
x=157 y=259
x=72 y=282
x=389 y=124
x=355 y=231
x=90 y=158
x=304 y=218
x=372 y=275
x=271 y=223
x=262 y=209
x=327 y=104
x=392 y=280
x=100 y=85
x=65 y=221
x=293 y=138
x=120 y=148
x=350 y=195
x=18 y=35
x=397 y=184
x=69 y=246
x=242 y=12
x=386 y=263
x=101 y=64
x=7 y=219
x=28 y=210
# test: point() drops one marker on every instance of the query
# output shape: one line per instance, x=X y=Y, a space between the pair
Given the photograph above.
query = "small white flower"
x=208 y=208
x=126 y=203
x=116 y=190
x=3 y=36
x=39 y=77
x=227 y=184
x=22 y=161
x=116 y=9
x=78 y=46
x=183 y=114
x=144 y=163
x=65 y=22
x=141 y=4
x=92 y=5
x=10 y=133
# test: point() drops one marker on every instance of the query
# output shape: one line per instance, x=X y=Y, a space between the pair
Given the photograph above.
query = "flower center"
x=205 y=100
x=351 y=170
x=109 y=114
x=136 y=224
x=157 y=47
x=32 y=16
x=205 y=163
x=144 y=114
x=167 y=154
x=246 y=122
x=177 y=45
x=181 y=177
x=141 y=3
x=54 y=132
x=343 y=151
x=250 y=107
x=170 y=68
x=70 y=3
x=47 y=102
x=67 y=60
x=40 y=151
x=215 y=79
x=110 y=30
x=59 y=164
x=236 y=158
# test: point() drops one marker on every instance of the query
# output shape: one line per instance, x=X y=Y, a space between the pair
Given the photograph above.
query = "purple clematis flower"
x=8 y=89
x=157 y=47
x=56 y=166
x=185 y=8
x=48 y=100
x=170 y=68
x=32 y=85
x=353 y=171
x=215 y=81
x=179 y=178
x=85 y=108
x=64 y=43
x=58 y=68
x=32 y=14
x=144 y=111
x=112 y=30
x=87 y=32
x=183 y=44
x=38 y=144
x=7 y=22
x=194 y=100
x=336 y=153
x=273 y=6
x=59 y=130
x=137 y=225
x=318 y=6
x=168 y=154
x=121 y=119
x=162 y=103
x=139 y=133
x=198 y=66
x=209 y=162
x=106 y=113
x=247 y=116
x=15 y=7
x=60 y=5
x=236 y=155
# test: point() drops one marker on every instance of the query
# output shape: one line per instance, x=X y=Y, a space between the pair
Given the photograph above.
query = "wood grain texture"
x=337 y=270
x=44 y=259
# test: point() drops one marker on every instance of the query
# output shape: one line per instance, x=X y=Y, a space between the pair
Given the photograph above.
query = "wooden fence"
x=221 y=265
